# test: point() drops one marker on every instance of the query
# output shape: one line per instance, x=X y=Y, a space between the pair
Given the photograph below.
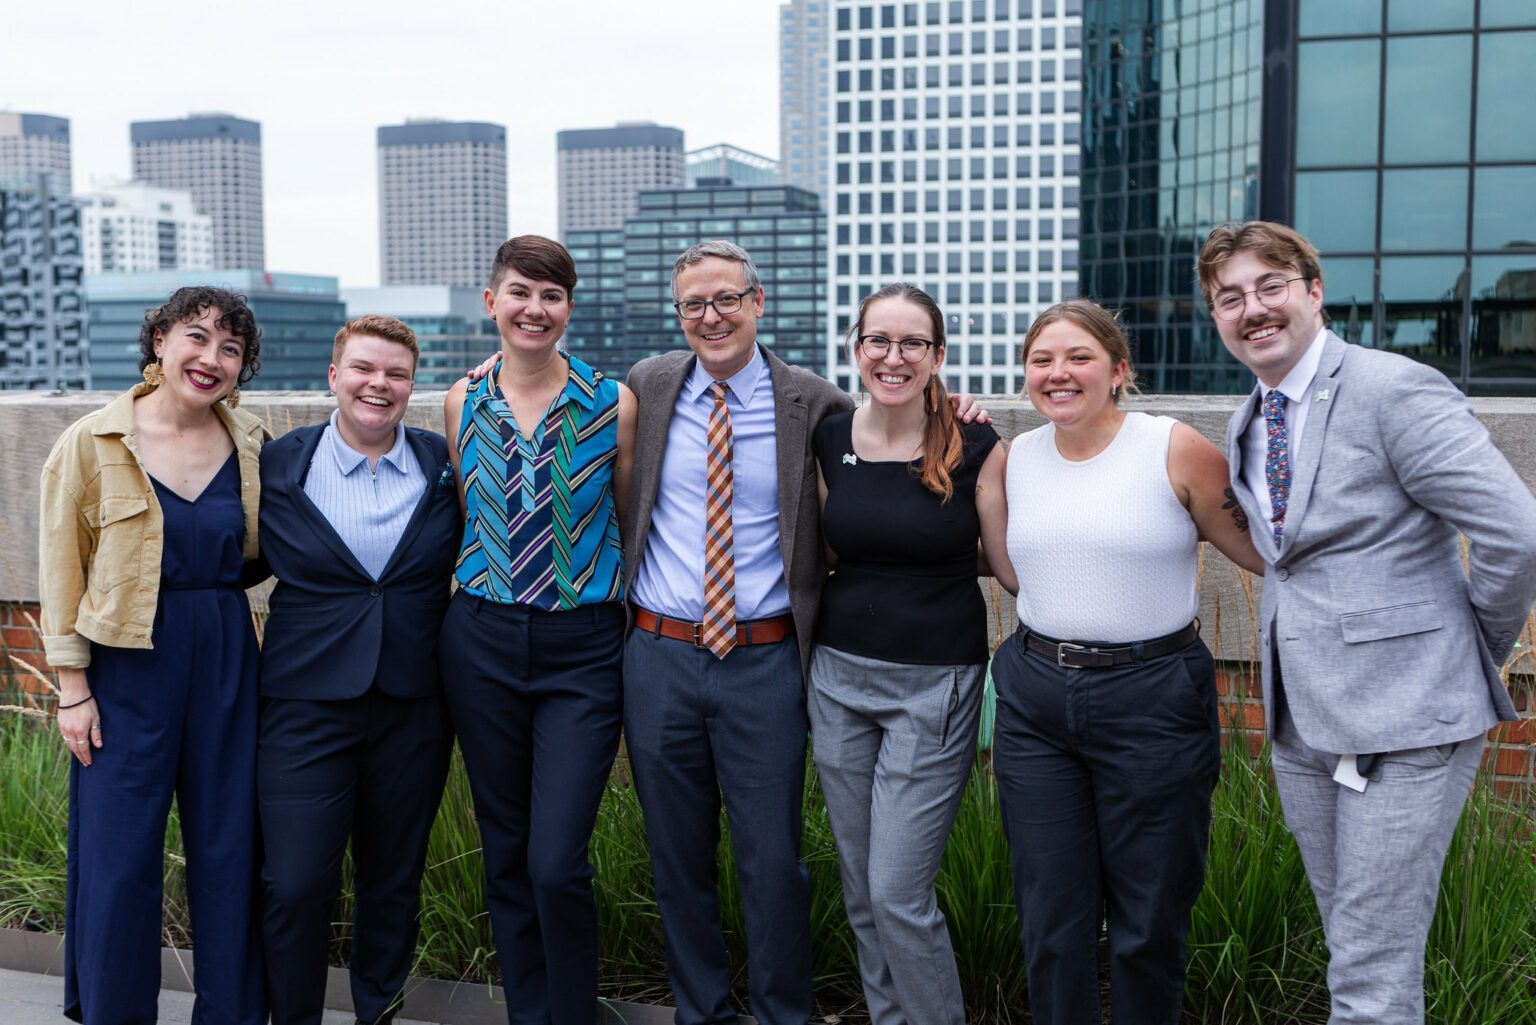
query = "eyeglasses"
x=876 y=346
x=1229 y=305
x=725 y=305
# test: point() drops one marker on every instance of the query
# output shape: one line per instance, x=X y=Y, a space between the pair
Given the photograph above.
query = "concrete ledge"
x=31 y=421
x=435 y=1000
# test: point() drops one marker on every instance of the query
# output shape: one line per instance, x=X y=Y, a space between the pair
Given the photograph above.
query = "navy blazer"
x=334 y=631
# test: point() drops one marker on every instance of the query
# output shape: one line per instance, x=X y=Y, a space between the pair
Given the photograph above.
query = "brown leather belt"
x=1071 y=655
x=758 y=631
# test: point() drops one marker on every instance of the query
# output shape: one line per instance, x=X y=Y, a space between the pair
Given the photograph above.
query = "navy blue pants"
x=370 y=769
x=535 y=698
x=698 y=728
x=1105 y=779
x=177 y=720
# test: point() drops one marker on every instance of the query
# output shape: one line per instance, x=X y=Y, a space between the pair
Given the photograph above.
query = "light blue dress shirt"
x=670 y=579
x=367 y=506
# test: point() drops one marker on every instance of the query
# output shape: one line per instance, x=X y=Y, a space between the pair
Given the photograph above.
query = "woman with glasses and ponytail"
x=896 y=677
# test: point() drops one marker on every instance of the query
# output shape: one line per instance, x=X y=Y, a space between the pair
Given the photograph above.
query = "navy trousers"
x=370 y=769
x=696 y=728
x=1105 y=779
x=535 y=698
x=174 y=724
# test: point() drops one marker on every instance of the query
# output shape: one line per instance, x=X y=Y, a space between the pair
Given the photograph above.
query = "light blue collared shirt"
x=670 y=579
x=367 y=506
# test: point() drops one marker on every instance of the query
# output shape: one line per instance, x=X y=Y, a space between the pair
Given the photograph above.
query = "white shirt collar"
x=741 y=384
x=1295 y=384
x=348 y=458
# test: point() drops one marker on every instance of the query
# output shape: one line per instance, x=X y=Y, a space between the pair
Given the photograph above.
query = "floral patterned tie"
x=1277 y=458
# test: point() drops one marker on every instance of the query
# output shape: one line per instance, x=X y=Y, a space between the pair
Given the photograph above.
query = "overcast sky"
x=322 y=76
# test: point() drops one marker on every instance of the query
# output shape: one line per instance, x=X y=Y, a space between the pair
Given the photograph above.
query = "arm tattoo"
x=1238 y=517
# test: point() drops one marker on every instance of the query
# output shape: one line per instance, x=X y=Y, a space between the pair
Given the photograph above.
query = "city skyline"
x=321 y=81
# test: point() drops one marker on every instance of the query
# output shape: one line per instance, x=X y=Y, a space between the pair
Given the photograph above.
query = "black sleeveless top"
x=904 y=588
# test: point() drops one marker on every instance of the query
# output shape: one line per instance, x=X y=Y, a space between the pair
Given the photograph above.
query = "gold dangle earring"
x=232 y=400
x=153 y=375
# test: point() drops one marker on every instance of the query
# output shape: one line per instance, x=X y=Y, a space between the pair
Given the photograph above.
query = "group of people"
x=653 y=559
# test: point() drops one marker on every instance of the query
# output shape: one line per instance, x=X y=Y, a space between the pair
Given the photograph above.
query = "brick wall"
x=22 y=642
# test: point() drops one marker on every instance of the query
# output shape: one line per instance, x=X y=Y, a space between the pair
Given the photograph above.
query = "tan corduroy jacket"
x=100 y=541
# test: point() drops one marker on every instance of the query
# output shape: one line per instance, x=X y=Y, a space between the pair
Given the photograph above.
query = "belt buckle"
x=698 y=634
x=1067 y=646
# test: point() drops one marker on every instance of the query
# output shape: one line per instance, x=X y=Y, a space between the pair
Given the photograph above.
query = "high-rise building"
x=623 y=311
x=131 y=227
x=216 y=157
x=33 y=144
x=724 y=164
x=1416 y=189
x=442 y=201
x=804 y=50
x=1172 y=126
x=603 y=170
x=596 y=329
x=299 y=315
x=452 y=328
x=955 y=166
x=42 y=311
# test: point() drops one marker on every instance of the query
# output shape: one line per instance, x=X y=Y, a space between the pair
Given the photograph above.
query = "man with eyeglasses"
x=1356 y=469
x=723 y=549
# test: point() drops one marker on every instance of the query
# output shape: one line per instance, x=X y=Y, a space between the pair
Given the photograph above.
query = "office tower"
x=299 y=316
x=452 y=329
x=33 y=144
x=442 y=201
x=623 y=310
x=1416 y=189
x=596 y=329
x=602 y=170
x=216 y=157
x=955 y=166
x=804 y=48
x=724 y=164
x=131 y=226
x=42 y=311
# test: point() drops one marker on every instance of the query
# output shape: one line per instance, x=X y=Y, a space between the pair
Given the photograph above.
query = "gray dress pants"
x=894 y=745
x=1374 y=862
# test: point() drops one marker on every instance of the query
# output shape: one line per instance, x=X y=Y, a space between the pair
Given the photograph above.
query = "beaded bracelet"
x=77 y=704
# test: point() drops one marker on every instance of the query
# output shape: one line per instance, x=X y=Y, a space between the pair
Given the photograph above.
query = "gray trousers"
x=894 y=745
x=1374 y=861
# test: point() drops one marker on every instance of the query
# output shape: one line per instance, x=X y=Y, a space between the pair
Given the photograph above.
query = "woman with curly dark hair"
x=148 y=517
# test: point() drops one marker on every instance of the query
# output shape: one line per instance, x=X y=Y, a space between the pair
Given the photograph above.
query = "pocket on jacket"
x=119 y=540
x=1393 y=621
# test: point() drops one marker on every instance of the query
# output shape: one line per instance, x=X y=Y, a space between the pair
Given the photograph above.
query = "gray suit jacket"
x=802 y=399
x=1385 y=642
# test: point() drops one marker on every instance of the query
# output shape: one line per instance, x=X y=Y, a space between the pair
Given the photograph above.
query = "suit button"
x=1282 y=574
x=374 y=590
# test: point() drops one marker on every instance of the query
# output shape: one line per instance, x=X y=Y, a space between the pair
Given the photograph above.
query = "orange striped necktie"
x=718 y=630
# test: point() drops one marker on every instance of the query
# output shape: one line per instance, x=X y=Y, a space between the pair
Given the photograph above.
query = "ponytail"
x=943 y=443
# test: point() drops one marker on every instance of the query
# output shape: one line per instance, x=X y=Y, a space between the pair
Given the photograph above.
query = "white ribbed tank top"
x=1103 y=548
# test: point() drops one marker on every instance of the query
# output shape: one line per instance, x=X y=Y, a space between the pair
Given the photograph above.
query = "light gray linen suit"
x=1377 y=640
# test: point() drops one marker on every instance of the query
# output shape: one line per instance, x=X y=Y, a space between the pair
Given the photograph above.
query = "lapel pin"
x=1322 y=395
x=849 y=459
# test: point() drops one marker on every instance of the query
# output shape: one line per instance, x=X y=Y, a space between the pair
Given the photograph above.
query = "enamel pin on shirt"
x=849 y=459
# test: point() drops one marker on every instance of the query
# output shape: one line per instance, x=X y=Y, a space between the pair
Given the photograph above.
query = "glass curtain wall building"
x=781 y=227
x=1172 y=138
x=596 y=328
x=1398 y=135
x=1420 y=191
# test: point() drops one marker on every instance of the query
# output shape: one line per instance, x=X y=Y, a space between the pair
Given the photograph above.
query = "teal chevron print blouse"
x=541 y=528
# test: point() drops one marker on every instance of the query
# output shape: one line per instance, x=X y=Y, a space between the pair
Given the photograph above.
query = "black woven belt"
x=1073 y=655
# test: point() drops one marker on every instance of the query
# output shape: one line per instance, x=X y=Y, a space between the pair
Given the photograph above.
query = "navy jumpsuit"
x=178 y=719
